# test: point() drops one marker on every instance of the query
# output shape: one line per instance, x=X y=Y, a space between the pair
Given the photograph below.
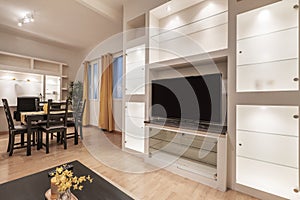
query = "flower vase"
x=65 y=195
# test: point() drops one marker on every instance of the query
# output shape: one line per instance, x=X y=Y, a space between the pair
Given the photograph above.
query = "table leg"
x=28 y=136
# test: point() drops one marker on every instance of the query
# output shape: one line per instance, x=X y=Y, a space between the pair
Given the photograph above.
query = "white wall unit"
x=281 y=45
x=264 y=76
x=278 y=120
x=267 y=136
x=135 y=110
x=197 y=155
x=134 y=126
x=16 y=84
x=267 y=155
x=267 y=48
x=15 y=63
x=135 y=70
x=268 y=147
x=52 y=87
x=197 y=29
x=268 y=19
x=268 y=177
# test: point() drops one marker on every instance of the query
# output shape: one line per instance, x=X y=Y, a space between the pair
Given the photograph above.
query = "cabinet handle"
x=296 y=190
x=240 y=51
x=240 y=144
x=296 y=116
x=296 y=79
x=296 y=6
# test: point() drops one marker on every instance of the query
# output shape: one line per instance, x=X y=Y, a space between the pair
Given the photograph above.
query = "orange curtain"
x=106 y=120
x=86 y=113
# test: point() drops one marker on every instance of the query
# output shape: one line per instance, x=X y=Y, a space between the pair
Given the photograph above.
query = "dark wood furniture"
x=34 y=187
x=76 y=121
x=25 y=104
x=56 y=123
x=31 y=118
x=13 y=131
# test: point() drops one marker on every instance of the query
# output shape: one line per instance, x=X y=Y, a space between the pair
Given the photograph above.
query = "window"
x=117 y=77
x=93 y=79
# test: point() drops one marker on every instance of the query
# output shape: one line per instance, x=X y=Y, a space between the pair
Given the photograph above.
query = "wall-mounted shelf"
x=200 y=28
x=200 y=59
x=136 y=27
x=26 y=64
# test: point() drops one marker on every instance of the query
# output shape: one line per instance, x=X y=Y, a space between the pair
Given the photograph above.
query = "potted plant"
x=63 y=181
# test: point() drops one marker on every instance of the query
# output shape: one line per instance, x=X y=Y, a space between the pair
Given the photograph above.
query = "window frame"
x=92 y=84
x=118 y=81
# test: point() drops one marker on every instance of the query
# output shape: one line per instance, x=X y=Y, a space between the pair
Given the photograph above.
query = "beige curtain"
x=106 y=120
x=86 y=113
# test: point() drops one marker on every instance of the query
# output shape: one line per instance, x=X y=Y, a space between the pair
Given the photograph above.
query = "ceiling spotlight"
x=168 y=8
x=26 y=19
x=20 y=23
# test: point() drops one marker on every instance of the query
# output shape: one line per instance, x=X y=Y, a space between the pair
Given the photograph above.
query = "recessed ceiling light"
x=168 y=8
x=26 y=19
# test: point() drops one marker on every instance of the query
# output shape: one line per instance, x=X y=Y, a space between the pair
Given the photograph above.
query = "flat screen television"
x=196 y=99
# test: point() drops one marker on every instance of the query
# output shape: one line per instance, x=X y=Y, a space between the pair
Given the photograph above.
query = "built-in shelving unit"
x=198 y=155
x=267 y=135
x=187 y=39
x=136 y=28
x=15 y=64
x=195 y=30
x=194 y=60
x=267 y=48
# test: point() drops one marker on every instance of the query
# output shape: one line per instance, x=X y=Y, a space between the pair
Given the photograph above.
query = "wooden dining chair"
x=56 y=123
x=76 y=121
x=14 y=130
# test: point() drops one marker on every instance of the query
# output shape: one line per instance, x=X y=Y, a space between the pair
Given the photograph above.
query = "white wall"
x=112 y=45
x=13 y=43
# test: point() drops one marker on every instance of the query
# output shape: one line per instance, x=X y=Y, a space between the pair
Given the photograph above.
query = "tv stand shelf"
x=195 y=154
x=207 y=132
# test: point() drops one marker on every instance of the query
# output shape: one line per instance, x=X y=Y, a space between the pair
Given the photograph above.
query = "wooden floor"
x=152 y=184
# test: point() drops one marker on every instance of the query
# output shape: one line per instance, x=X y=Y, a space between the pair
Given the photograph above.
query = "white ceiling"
x=80 y=24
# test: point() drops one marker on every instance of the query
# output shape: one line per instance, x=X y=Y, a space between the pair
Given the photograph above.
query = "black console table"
x=34 y=187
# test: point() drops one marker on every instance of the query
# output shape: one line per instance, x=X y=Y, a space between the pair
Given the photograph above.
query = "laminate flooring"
x=102 y=153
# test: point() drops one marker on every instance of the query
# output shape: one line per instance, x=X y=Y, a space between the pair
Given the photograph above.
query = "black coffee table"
x=33 y=187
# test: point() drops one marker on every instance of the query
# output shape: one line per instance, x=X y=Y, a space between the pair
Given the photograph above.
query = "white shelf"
x=187 y=131
x=200 y=59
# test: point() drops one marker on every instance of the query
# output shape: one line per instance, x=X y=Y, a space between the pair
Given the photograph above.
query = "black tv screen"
x=194 y=98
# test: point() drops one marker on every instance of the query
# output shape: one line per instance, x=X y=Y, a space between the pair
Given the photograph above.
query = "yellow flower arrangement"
x=65 y=179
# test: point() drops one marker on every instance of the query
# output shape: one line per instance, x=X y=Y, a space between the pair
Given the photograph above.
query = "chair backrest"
x=57 y=113
x=25 y=104
x=9 y=118
x=80 y=110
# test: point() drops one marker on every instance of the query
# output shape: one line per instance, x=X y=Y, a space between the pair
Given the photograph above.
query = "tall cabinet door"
x=134 y=126
x=134 y=115
x=267 y=48
x=267 y=136
x=135 y=71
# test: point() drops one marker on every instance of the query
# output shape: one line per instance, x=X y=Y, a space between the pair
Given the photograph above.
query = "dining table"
x=34 y=116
